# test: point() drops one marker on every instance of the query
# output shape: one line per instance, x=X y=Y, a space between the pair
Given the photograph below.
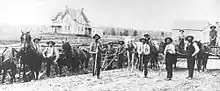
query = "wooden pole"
x=109 y=63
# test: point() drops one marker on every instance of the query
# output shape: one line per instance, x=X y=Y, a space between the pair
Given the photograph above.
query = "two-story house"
x=71 y=21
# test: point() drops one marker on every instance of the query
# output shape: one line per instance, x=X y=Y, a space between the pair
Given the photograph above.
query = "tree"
x=113 y=32
x=125 y=33
x=162 y=33
x=121 y=34
x=135 y=33
x=104 y=33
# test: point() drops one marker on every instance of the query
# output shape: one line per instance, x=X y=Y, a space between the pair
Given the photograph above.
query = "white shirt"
x=51 y=52
x=170 y=48
x=143 y=49
x=37 y=47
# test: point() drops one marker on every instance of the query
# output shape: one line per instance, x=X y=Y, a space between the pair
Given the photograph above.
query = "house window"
x=81 y=28
x=67 y=28
x=78 y=28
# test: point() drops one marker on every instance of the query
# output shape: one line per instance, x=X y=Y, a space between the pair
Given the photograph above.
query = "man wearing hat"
x=51 y=55
x=95 y=50
x=181 y=41
x=213 y=35
x=191 y=50
x=144 y=52
x=120 y=51
x=169 y=53
x=36 y=45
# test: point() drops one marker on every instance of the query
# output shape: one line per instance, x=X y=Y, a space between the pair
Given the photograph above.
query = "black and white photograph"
x=109 y=45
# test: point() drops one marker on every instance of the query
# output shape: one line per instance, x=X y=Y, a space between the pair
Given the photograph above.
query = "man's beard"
x=96 y=40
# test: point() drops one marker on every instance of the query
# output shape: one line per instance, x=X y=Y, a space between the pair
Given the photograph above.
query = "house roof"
x=74 y=14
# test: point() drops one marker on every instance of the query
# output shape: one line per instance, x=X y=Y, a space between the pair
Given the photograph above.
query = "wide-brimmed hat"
x=142 y=39
x=36 y=38
x=146 y=35
x=181 y=30
x=189 y=36
x=110 y=43
x=212 y=27
x=171 y=40
x=121 y=42
x=96 y=35
x=51 y=42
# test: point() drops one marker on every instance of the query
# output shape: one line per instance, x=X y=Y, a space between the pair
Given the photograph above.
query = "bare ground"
x=124 y=80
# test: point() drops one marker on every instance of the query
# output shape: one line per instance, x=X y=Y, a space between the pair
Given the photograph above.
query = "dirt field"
x=124 y=80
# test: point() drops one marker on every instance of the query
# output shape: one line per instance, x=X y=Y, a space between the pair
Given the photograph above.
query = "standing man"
x=51 y=55
x=96 y=50
x=169 y=53
x=191 y=50
x=120 y=52
x=144 y=52
x=148 y=39
x=213 y=35
x=181 y=41
x=37 y=46
x=131 y=48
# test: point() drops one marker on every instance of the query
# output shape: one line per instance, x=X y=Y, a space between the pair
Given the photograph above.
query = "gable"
x=77 y=14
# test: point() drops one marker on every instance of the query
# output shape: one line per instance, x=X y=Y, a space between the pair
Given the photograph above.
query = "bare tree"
x=113 y=32
x=135 y=33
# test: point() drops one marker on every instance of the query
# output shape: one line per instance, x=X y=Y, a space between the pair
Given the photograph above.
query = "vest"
x=190 y=49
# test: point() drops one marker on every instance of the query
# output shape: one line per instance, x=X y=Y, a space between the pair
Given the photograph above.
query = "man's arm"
x=91 y=47
x=185 y=46
x=56 y=54
x=173 y=49
x=138 y=49
x=148 y=49
x=44 y=52
x=165 y=50
x=196 y=49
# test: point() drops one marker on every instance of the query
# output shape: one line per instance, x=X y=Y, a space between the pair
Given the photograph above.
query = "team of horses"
x=74 y=58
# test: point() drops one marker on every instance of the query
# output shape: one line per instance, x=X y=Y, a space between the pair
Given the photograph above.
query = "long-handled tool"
x=109 y=63
x=95 y=62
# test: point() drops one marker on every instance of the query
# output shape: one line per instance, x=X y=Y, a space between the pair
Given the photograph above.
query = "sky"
x=137 y=14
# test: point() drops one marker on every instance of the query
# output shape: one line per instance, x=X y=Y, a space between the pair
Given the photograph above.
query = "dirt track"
x=124 y=80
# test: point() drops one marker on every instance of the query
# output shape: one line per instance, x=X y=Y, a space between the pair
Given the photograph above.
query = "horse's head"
x=66 y=47
x=25 y=38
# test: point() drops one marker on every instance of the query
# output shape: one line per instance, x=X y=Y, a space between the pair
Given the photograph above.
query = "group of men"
x=96 y=50
x=50 y=54
x=191 y=49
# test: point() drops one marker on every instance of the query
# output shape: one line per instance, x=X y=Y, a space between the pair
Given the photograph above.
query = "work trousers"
x=50 y=61
x=190 y=65
x=170 y=60
x=120 y=60
x=98 y=64
x=144 y=63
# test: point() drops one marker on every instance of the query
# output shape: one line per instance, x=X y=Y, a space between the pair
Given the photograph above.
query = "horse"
x=131 y=48
x=202 y=56
x=154 y=51
x=73 y=57
x=8 y=62
x=29 y=57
